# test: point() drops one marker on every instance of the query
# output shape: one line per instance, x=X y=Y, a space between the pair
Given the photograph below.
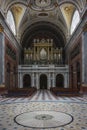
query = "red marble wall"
x=11 y=76
x=76 y=75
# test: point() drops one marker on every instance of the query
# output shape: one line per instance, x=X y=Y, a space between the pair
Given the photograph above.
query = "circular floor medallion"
x=43 y=119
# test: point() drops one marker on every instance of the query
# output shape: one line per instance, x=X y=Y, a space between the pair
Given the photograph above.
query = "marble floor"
x=43 y=111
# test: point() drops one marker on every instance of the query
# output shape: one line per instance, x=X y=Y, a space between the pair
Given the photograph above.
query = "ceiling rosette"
x=42 y=4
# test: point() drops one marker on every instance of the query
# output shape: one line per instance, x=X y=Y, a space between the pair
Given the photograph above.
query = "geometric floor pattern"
x=43 y=96
x=43 y=119
x=76 y=107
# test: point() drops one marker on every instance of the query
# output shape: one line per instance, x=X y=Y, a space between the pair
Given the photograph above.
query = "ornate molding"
x=41 y=5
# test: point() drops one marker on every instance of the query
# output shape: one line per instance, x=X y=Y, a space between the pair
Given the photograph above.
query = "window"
x=75 y=21
x=11 y=22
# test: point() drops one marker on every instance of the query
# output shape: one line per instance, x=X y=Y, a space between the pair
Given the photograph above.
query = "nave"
x=43 y=110
x=43 y=95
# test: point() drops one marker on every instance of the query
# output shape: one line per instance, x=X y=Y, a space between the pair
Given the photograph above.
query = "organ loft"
x=43 y=40
x=43 y=52
x=43 y=65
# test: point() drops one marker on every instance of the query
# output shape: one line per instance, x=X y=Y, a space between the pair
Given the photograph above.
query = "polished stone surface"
x=43 y=116
x=43 y=101
x=9 y=111
x=43 y=119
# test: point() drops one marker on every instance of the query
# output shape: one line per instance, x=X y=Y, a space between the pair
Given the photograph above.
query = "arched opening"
x=60 y=81
x=26 y=81
x=78 y=75
x=43 y=30
x=43 y=81
x=8 y=75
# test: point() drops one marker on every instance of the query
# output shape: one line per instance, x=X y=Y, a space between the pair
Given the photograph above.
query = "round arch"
x=60 y=81
x=43 y=81
x=77 y=5
x=47 y=28
x=26 y=81
x=13 y=3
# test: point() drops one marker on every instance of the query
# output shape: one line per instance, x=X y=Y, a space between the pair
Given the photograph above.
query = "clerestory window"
x=75 y=21
x=10 y=20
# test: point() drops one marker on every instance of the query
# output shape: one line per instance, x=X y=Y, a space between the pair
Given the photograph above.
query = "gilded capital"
x=1 y=28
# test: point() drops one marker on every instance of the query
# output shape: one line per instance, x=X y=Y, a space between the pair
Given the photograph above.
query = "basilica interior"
x=43 y=64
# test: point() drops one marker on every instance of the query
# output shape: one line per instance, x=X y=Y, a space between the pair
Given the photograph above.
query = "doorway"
x=60 y=81
x=26 y=81
x=43 y=81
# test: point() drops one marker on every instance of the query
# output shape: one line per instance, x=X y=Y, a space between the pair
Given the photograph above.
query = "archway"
x=26 y=81
x=60 y=81
x=43 y=81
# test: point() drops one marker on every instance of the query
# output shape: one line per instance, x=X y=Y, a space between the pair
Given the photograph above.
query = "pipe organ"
x=43 y=52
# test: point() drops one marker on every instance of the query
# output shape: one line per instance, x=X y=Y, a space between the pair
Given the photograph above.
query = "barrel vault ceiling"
x=29 y=12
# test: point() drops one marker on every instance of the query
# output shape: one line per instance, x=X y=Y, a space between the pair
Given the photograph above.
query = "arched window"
x=75 y=21
x=10 y=20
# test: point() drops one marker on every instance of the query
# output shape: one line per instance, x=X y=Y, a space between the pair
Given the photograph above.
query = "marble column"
x=2 y=57
x=32 y=80
x=84 y=57
x=53 y=78
x=20 y=80
x=66 y=80
x=37 y=81
x=49 y=81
